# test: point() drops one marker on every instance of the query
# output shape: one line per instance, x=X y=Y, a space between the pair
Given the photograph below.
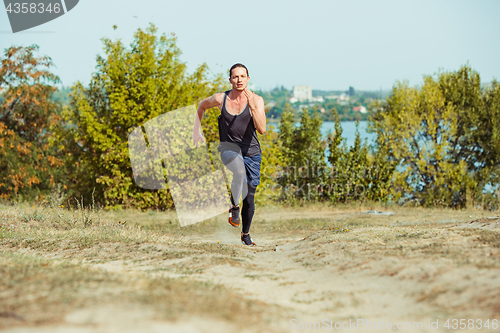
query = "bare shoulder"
x=213 y=101
x=258 y=96
x=219 y=98
x=260 y=99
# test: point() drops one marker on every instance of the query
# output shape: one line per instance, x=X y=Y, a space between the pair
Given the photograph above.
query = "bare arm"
x=257 y=108
x=207 y=103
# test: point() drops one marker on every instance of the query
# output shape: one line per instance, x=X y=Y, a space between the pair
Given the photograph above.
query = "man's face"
x=239 y=78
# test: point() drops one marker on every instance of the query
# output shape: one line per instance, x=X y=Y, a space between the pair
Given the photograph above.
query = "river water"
x=348 y=131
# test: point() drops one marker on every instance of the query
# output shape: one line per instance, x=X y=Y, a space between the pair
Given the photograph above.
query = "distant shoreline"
x=274 y=121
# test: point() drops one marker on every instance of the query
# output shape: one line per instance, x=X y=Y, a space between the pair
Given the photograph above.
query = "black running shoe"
x=247 y=240
x=234 y=216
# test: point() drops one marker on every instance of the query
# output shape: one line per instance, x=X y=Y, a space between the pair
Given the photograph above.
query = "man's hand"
x=250 y=97
x=197 y=137
x=257 y=109
x=207 y=103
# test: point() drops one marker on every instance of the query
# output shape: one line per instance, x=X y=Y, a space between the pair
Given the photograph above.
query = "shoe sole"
x=232 y=224
x=253 y=244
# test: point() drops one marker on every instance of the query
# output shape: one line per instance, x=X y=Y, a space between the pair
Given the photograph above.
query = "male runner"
x=242 y=114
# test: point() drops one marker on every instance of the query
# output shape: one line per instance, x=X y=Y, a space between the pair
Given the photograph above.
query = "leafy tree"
x=304 y=155
x=286 y=139
x=343 y=180
x=130 y=86
x=477 y=111
x=271 y=167
x=29 y=163
x=443 y=136
x=356 y=173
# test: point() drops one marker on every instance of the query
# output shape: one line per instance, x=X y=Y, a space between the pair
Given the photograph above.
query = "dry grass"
x=36 y=291
x=72 y=258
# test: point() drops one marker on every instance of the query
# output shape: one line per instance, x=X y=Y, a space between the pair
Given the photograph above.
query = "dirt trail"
x=313 y=280
x=317 y=277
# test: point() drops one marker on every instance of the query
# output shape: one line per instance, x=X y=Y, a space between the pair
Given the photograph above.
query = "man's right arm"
x=207 y=103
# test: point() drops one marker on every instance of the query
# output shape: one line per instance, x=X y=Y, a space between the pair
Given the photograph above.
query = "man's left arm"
x=257 y=108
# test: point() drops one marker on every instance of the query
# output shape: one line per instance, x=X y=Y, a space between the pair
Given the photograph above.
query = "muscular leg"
x=253 y=179
x=246 y=177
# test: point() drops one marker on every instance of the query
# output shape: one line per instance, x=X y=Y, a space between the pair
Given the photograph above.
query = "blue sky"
x=327 y=44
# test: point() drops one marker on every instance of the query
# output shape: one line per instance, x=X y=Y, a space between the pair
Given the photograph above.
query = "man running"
x=242 y=114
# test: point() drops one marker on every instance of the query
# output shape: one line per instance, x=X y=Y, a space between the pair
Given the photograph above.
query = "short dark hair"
x=236 y=66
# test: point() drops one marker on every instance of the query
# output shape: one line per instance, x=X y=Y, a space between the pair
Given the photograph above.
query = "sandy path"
x=313 y=282
x=313 y=277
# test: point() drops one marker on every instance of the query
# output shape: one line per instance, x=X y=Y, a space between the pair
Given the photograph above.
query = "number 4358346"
x=470 y=324
x=31 y=7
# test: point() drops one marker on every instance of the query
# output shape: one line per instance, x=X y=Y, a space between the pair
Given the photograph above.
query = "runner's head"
x=236 y=66
x=238 y=77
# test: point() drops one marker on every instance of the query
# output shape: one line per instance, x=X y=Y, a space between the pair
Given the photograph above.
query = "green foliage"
x=277 y=99
x=356 y=174
x=477 y=110
x=130 y=87
x=29 y=162
x=36 y=216
x=62 y=95
x=303 y=155
x=271 y=166
x=443 y=136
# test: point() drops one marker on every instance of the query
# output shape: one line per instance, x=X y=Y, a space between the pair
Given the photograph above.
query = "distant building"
x=343 y=99
x=351 y=91
x=361 y=109
x=302 y=93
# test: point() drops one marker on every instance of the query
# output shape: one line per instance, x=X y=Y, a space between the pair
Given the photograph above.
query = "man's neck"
x=236 y=94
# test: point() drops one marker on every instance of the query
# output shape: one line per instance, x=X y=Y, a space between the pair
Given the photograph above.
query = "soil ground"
x=315 y=268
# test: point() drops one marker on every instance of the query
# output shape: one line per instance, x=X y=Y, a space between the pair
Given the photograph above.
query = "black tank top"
x=238 y=129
